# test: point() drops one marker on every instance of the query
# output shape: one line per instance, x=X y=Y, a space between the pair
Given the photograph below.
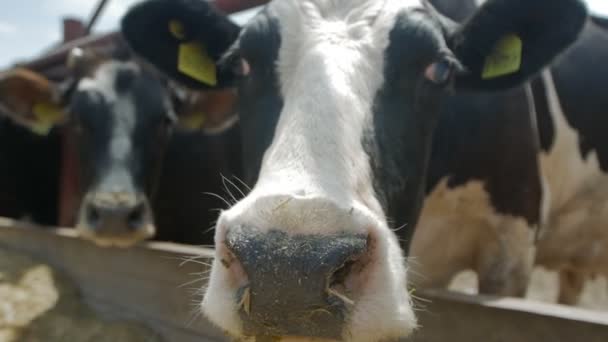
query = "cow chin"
x=342 y=276
x=115 y=219
x=118 y=241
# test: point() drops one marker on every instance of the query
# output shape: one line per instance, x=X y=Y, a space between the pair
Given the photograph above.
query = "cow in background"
x=482 y=208
x=572 y=112
x=546 y=158
x=122 y=116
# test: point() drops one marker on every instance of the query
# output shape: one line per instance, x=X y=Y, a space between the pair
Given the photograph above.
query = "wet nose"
x=296 y=284
x=116 y=216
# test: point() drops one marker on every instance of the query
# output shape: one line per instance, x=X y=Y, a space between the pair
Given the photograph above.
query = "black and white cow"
x=536 y=177
x=338 y=103
x=572 y=111
x=484 y=188
x=130 y=158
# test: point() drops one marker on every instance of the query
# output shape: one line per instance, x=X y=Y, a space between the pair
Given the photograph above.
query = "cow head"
x=121 y=115
x=338 y=101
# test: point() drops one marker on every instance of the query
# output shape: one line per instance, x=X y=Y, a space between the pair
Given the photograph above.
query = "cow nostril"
x=135 y=218
x=338 y=282
x=338 y=278
x=93 y=215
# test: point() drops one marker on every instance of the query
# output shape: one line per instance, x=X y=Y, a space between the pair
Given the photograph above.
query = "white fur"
x=459 y=229
x=315 y=176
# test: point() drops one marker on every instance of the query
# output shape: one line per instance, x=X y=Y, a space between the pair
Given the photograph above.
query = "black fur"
x=581 y=79
x=546 y=128
x=260 y=102
x=29 y=173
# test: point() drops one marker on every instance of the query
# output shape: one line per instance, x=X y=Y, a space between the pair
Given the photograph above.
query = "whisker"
x=234 y=185
x=228 y=205
x=242 y=183
x=228 y=190
x=192 y=282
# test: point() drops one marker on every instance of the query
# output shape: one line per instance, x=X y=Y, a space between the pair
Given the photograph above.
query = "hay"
x=39 y=305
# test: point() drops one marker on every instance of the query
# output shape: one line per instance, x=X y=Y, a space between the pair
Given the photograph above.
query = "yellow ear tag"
x=505 y=59
x=194 y=121
x=193 y=59
x=196 y=63
x=47 y=115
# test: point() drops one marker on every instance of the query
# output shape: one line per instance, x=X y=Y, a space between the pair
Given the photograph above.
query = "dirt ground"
x=38 y=305
x=544 y=287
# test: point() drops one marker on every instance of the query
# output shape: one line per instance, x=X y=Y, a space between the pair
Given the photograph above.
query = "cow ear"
x=508 y=41
x=183 y=38
x=31 y=100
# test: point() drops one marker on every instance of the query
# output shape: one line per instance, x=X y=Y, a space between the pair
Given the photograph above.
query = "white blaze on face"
x=101 y=87
x=330 y=67
x=315 y=176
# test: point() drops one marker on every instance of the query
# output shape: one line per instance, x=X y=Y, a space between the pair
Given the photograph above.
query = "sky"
x=27 y=27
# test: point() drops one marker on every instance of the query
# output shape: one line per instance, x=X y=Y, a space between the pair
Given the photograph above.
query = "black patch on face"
x=124 y=80
x=260 y=102
x=546 y=126
x=404 y=116
x=581 y=79
x=490 y=138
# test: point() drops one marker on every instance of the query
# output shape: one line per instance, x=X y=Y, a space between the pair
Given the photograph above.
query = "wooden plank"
x=145 y=283
x=465 y=318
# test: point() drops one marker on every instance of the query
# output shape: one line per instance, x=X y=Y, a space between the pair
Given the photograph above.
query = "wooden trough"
x=152 y=284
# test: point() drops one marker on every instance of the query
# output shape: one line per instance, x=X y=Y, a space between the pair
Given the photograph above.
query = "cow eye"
x=440 y=72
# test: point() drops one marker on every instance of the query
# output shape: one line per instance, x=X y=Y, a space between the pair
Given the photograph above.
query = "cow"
x=338 y=101
x=484 y=188
x=526 y=170
x=571 y=113
x=123 y=117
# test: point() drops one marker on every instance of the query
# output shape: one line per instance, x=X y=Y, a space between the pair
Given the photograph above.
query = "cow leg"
x=571 y=283
x=506 y=258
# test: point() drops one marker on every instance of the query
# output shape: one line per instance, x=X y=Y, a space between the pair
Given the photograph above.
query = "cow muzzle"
x=119 y=219
x=294 y=285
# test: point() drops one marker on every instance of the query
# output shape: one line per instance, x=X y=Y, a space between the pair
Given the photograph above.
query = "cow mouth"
x=117 y=240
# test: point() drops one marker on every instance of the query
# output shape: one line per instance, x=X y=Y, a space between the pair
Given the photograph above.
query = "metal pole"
x=100 y=7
